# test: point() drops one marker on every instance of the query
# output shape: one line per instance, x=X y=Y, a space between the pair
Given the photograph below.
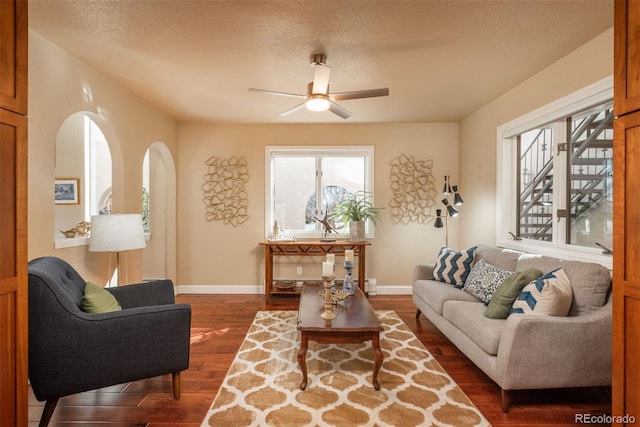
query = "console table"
x=274 y=248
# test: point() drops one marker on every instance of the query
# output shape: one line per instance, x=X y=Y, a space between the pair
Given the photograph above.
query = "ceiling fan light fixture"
x=317 y=102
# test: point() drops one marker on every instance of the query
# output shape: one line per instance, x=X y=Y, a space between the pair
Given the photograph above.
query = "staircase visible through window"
x=565 y=172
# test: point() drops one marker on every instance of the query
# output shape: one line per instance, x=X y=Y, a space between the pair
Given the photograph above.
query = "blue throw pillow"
x=453 y=266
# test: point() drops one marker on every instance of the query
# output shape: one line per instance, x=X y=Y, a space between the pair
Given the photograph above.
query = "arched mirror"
x=83 y=178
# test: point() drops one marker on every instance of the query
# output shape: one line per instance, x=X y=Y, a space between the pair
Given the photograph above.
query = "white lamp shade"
x=116 y=233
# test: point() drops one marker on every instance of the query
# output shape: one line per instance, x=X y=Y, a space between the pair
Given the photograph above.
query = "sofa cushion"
x=484 y=279
x=504 y=297
x=590 y=281
x=98 y=300
x=469 y=318
x=452 y=266
x=548 y=295
x=503 y=258
x=435 y=294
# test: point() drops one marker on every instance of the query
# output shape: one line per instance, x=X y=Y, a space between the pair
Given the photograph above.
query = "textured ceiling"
x=441 y=60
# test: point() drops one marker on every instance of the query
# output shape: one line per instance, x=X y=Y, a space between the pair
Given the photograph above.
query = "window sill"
x=572 y=253
x=301 y=236
x=62 y=242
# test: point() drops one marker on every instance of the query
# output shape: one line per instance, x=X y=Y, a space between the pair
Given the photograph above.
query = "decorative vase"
x=356 y=231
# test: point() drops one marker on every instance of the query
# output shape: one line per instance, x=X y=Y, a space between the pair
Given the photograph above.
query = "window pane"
x=341 y=177
x=591 y=177
x=293 y=185
x=536 y=183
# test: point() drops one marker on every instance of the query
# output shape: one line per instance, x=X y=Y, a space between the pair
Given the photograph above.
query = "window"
x=555 y=177
x=97 y=171
x=82 y=153
x=295 y=176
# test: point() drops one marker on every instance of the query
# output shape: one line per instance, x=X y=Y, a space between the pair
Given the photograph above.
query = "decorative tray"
x=312 y=283
x=284 y=285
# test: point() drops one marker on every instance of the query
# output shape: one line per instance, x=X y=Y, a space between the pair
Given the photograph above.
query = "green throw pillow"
x=503 y=298
x=98 y=300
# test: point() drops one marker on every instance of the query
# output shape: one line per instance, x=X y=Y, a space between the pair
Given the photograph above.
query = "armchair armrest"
x=157 y=292
x=548 y=352
x=422 y=272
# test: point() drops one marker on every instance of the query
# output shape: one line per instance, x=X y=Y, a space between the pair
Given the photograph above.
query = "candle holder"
x=328 y=314
x=347 y=285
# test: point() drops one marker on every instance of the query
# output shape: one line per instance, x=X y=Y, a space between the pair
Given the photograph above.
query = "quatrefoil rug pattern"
x=262 y=385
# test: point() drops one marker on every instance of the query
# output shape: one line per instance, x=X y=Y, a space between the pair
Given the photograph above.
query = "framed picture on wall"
x=67 y=191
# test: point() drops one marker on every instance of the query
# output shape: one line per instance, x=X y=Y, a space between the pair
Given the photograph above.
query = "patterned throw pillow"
x=453 y=267
x=550 y=295
x=484 y=279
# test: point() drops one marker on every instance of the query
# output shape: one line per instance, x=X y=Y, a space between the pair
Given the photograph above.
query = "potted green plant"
x=355 y=210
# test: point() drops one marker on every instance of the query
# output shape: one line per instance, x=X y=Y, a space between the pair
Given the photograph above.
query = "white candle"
x=327 y=269
x=331 y=258
x=348 y=255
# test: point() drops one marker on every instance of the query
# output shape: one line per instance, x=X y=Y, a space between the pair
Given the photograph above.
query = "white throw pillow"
x=550 y=295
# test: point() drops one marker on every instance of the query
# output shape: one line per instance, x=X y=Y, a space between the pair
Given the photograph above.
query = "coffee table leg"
x=377 y=359
x=302 y=359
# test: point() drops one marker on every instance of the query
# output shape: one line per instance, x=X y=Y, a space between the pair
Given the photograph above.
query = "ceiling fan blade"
x=357 y=94
x=292 y=110
x=338 y=110
x=321 y=79
x=272 y=92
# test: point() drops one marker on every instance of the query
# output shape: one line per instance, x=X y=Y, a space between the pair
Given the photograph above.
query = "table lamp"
x=116 y=233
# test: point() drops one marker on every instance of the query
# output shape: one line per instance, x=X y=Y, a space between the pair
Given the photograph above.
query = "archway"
x=159 y=185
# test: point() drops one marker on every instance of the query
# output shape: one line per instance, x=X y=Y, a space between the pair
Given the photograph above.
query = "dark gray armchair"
x=71 y=351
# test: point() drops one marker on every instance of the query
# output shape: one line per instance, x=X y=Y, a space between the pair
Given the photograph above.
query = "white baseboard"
x=394 y=290
x=257 y=289
x=220 y=289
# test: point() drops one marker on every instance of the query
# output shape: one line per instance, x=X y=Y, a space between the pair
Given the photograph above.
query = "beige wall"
x=211 y=253
x=586 y=65
x=214 y=254
x=59 y=86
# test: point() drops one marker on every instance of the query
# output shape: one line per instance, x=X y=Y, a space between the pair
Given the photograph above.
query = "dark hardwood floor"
x=219 y=324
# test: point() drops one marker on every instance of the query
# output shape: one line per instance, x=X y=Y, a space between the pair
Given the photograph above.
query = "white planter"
x=356 y=231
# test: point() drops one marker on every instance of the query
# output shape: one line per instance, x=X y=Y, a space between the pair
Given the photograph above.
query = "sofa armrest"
x=422 y=272
x=548 y=352
x=156 y=292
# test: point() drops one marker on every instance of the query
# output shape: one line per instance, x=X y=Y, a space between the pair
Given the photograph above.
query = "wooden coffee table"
x=356 y=322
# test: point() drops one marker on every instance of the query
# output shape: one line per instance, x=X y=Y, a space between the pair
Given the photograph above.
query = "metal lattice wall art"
x=224 y=190
x=414 y=191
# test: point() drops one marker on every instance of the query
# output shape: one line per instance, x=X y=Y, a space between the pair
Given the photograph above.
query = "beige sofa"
x=527 y=351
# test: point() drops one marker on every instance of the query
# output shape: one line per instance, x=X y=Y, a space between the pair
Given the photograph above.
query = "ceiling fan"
x=318 y=97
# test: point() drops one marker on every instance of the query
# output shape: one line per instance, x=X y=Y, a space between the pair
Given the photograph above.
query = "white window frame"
x=366 y=151
x=507 y=164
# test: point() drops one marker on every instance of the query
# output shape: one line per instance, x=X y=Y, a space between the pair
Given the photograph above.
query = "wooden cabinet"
x=13 y=55
x=627 y=56
x=626 y=274
x=13 y=213
x=626 y=251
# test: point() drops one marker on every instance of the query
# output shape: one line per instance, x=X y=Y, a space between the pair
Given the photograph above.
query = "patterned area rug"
x=262 y=385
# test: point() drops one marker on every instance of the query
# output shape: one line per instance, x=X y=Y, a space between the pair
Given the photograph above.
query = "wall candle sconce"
x=450 y=210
